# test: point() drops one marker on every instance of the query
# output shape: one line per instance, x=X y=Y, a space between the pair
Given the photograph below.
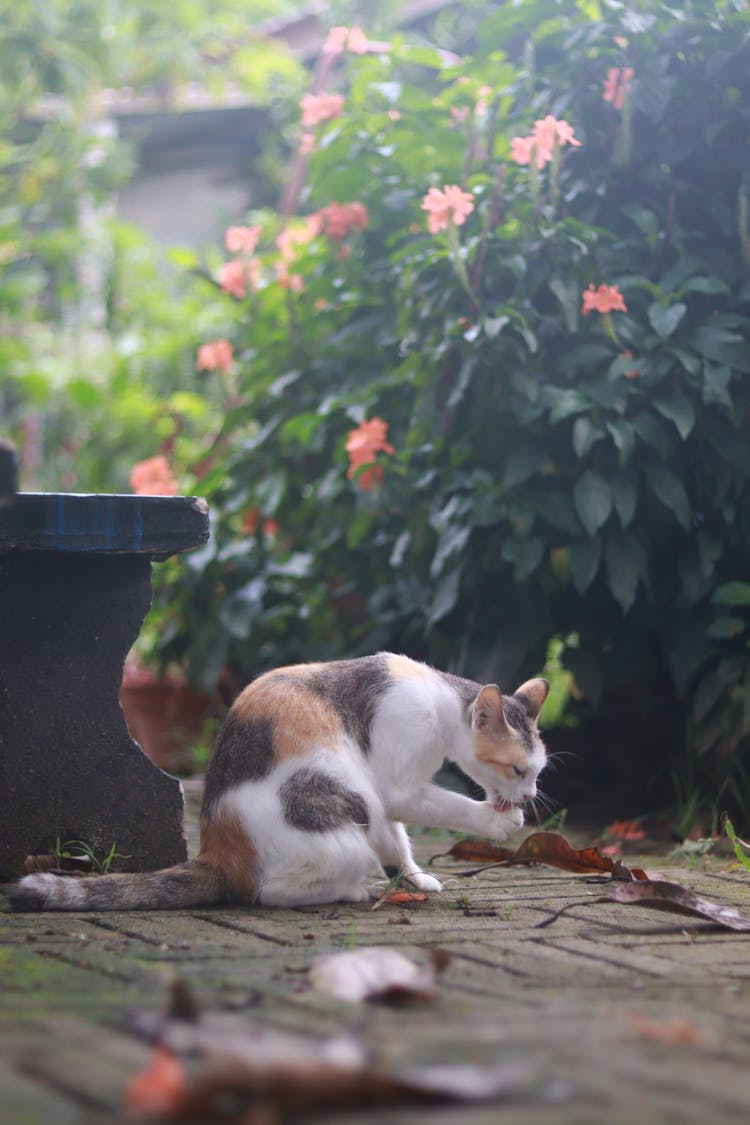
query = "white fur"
x=298 y=867
x=57 y=893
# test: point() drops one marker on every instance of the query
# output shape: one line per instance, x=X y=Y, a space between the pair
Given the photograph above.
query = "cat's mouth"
x=501 y=805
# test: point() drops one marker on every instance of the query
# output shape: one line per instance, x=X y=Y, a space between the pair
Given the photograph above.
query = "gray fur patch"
x=243 y=752
x=517 y=717
x=466 y=690
x=352 y=688
x=315 y=802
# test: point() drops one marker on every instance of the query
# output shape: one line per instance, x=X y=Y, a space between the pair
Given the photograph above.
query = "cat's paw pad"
x=424 y=882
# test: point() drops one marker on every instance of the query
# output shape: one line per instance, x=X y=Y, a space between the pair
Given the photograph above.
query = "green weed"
x=740 y=847
x=692 y=851
x=100 y=865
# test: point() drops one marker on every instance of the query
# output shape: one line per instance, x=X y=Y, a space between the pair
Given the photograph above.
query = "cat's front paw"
x=504 y=824
x=516 y=818
x=424 y=882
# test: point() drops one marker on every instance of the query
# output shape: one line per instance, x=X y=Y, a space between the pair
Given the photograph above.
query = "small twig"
x=583 y=902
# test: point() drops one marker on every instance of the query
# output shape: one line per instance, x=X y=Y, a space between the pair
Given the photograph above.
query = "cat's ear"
x=487 y=713
x=532 y=694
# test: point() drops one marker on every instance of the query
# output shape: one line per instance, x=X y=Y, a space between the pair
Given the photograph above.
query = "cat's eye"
x=519 y=772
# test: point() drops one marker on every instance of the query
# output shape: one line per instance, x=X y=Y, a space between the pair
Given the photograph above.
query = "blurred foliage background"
x=565 y=491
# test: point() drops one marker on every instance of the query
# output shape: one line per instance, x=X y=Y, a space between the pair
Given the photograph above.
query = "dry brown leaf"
x=676 y=1032
x=662 y=896
x=376 y=972
x=479 y=851
x=672 y=896
x=550 y=848
x=251 y=1073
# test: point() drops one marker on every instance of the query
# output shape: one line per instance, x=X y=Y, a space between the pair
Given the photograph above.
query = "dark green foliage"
x=554 y=474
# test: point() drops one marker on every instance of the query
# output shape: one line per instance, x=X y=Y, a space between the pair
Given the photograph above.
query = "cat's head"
x=508 y=751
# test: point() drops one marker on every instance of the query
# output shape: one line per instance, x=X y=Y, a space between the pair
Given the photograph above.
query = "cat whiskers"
x=544 y=803
x=554 y=759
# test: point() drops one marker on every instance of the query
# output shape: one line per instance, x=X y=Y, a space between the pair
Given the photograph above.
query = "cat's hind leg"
x=392 y=845
x=314 y=868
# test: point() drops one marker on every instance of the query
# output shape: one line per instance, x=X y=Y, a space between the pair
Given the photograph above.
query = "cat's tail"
x=224 y=871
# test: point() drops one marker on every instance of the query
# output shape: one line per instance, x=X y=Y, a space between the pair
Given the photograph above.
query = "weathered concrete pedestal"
x=75 y=586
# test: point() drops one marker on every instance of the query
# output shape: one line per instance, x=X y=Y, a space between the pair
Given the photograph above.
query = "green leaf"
x=585 y=435
x=708 y=692
x=651 y=431
x=678 y=408
x=691 y=363
x=400 y=547
x=451 y=541
x=563 y=403
x=84 y=394
x=623 y=437
x=493 y=325
x=445 y=597
x=732 y=593
x=740 y=847
x=725 y=628
x=711 y=286
x=592 y=497
x=722 y=346
x=298 y=565
x=664 y=321
x=623 y=566
x=647 y=221
x=525 y=554
x=569 y=297
x=585 y=556
x=270 y=492
x=716 y=380
x=624 y=496
x=523 y=462
x=668 y=488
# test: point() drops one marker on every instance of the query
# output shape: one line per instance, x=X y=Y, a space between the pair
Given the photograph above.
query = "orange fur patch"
x=402 y=668
x=505 y=752
x=299 y=718
x=226 y=848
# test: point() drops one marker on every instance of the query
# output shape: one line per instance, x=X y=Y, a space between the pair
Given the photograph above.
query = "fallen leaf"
x=672 y=896
x=550 y=848
x=245 y=1072
x=478 y=851
x=157 y=1090
x=662 y=896
x=377 y=972
x=400 y=898
x=676 y=1032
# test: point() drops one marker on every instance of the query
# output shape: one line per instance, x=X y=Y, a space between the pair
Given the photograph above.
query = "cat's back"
x=292 y=711
x=317 y=702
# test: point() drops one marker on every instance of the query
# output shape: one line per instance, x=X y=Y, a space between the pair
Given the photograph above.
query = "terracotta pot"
x=165 y=717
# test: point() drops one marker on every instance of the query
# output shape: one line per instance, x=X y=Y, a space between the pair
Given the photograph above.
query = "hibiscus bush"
x=487 y=381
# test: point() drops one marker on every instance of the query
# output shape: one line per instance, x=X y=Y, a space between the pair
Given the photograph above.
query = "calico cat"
x=315 y=769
